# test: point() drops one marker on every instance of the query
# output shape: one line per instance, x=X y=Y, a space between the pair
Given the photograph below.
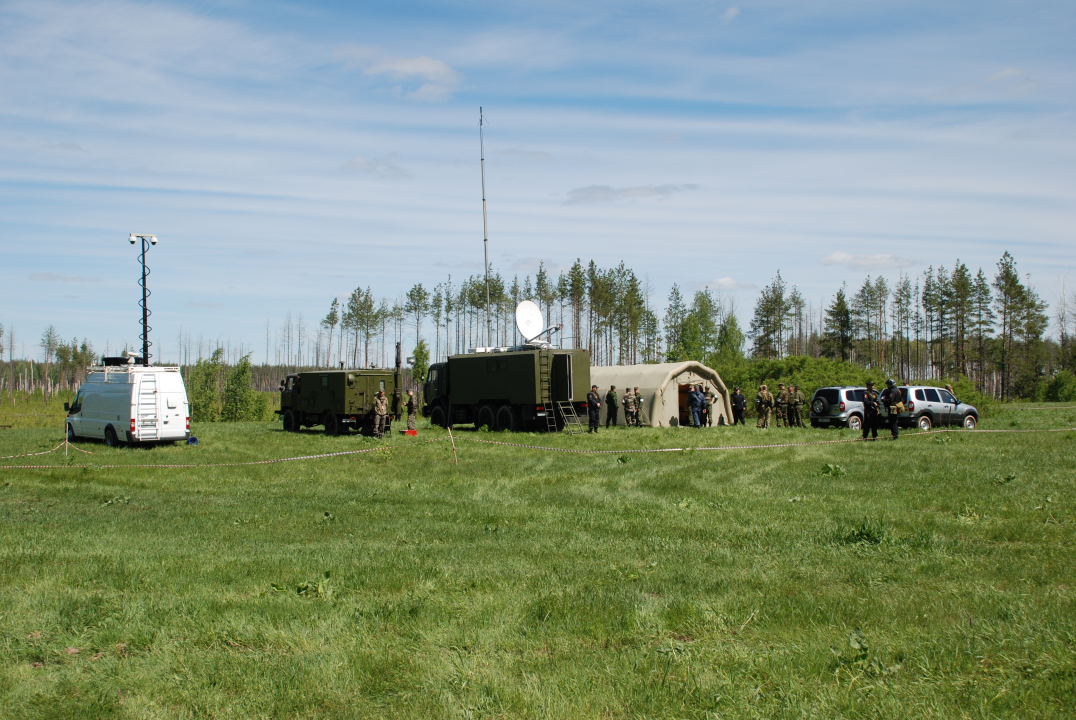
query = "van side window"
x=932 y=395
x=919 y=395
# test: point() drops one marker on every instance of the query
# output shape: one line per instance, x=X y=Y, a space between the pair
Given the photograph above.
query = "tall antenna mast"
x=485 y=233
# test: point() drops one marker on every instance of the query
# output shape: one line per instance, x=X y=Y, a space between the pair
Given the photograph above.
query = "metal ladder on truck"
x=545 y=389
x=148 y=427
x=572 y=422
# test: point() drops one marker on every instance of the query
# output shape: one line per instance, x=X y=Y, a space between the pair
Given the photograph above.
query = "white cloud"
x=1006 y=73
x=437 y=79
x=730 y=14
x=383 y=167
x=866 y=262
x=727 y=284
x=605 y=193
x=58 y=278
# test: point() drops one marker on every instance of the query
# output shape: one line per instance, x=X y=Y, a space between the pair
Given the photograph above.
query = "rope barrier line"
x=575 y=451
x=203 y=465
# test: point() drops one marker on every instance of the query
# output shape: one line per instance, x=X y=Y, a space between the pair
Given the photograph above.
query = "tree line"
x=988 y=327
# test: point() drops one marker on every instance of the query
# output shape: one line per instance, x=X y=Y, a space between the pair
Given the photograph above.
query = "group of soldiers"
x=381 y=411
x=785 y=406
x=632 y=403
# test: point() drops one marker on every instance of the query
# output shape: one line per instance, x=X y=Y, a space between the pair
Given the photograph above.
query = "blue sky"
x=287 y=153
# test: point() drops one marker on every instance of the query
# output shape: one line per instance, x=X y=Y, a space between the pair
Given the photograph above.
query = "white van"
x=130 y=403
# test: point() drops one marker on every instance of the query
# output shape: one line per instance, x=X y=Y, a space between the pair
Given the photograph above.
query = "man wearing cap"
x=739 y=406
x=872 y=413
x=638 y=408
x=612 y=405
x=381 y=411
x=593 y=406
x=412 y=409
x=629 y=405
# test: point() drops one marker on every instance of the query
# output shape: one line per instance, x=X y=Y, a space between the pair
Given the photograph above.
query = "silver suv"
x=838 y=406
x=926 y=407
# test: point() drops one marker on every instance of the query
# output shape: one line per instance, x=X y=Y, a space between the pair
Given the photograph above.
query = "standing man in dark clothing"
x=695 y=403
x=593 y=407
x=893 y=402
x=412 y=409
x=612 y=403
x=739 y=406
x=872 y=413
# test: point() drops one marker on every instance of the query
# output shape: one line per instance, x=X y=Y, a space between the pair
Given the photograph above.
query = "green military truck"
x=513 y=388
x=338 y=400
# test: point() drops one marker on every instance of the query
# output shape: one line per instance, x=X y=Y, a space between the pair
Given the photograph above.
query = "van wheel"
x=855 y=423
x=485 y=418
x=332 y=425
x=71 y=436
x=506 y=418
x=291 y=423
x=924 y=422
x=110 y=437
x=970 y=422
x=437 y=416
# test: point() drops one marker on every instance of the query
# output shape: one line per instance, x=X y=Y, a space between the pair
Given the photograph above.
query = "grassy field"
x=932 y=577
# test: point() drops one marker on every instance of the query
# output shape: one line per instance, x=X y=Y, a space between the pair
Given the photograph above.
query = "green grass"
x=933 y=577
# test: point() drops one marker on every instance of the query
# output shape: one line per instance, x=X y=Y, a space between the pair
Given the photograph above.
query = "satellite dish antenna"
x=529 y=320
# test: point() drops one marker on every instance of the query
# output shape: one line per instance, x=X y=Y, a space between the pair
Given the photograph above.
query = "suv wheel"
x=855 y=423
x=924 y=422
x=820 y=406
x=970 y=422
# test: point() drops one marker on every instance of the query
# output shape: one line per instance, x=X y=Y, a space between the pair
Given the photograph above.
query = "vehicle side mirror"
x=67 y=407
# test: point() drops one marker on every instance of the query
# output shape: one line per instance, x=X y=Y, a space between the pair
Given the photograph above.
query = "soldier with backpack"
x=764 y=405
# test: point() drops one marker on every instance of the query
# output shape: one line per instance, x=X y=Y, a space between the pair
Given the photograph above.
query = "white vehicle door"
x=74 y=417
x=937 y=406
x=147 y=412
x=91 y=414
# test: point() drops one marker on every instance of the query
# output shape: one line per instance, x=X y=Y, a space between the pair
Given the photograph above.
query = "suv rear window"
x=904 y=395
x=853 y=395
x=832 y=395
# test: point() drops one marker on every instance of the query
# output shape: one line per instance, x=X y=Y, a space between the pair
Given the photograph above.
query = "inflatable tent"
x=664 y=388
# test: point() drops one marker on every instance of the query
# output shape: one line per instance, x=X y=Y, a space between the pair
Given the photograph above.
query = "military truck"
x=338 y=400
x=523 y=388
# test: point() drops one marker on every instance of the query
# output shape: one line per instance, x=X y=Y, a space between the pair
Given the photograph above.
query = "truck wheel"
x=110 y=437
x=437 y=416
x=485 y=418
x=332 y=425
x=506 y=418
x=291 y=423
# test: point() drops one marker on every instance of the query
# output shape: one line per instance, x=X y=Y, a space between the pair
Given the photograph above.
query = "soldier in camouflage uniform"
x=781 y=405
x=381 y=412
x=764 y=405
x=629 y=406
x=796 y=401
x=638 y=408
x=412 y=409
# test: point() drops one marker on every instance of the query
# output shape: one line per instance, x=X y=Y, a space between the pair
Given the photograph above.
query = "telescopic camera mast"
x=485 y=233
x=151 y=240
